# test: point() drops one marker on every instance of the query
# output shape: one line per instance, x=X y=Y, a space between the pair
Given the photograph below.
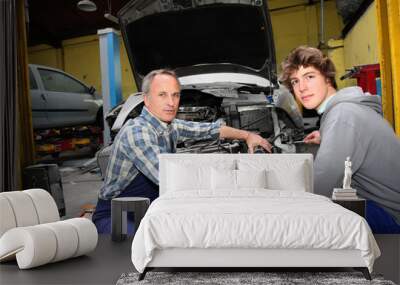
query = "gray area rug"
x=270 y=278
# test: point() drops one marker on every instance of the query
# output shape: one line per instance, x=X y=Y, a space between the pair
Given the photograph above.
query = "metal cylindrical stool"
x=119 y=209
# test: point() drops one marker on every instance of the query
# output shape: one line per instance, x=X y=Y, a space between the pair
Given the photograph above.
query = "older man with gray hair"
x=133 y=165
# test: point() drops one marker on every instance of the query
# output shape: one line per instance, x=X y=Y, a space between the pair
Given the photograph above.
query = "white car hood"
x=229 y=77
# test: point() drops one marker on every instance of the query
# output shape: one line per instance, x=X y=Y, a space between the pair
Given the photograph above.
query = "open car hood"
x=199 y=36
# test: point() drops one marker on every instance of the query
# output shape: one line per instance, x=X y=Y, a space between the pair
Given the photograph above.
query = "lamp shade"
x=87 y=6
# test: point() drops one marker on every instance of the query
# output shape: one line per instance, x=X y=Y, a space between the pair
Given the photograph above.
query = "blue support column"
x=378 y=86
x=110 y=74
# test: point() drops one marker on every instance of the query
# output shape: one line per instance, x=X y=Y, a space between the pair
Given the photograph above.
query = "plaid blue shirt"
x=137 y=145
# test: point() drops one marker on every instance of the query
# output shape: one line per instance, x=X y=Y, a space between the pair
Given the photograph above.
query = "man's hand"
x=314 y=137
x=254 y=140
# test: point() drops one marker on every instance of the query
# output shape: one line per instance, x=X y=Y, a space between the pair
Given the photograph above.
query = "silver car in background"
x=60 y=100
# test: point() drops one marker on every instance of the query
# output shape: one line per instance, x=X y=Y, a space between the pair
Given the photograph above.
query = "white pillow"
x=223 y=179
x=187 y=177
x=295 y=180
x=251 y=178
x=282 y=174
x=226 y=179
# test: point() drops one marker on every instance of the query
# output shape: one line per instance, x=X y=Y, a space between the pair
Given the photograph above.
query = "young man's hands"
x=314 y=137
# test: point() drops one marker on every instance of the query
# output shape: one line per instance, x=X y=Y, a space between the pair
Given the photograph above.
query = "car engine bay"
x=273 y=116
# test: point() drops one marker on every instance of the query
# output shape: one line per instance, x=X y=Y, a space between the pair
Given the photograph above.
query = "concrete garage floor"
x=81 y=180
x=80 y=187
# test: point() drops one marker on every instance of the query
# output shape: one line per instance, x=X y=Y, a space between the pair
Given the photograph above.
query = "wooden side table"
x=357 y=205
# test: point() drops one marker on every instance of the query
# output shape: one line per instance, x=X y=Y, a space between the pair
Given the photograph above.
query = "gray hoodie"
x=352 y=125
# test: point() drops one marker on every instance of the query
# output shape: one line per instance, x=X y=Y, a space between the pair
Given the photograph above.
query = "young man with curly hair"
x=351 y=126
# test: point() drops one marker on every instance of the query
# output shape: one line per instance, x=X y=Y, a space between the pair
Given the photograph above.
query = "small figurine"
x=345 y=193
x=347 y=174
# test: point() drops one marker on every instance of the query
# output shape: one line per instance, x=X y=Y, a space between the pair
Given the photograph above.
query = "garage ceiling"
x=51 y=21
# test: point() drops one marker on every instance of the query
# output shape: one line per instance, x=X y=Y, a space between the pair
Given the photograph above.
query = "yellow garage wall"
x=336 y=54
x=46 y=55
x=300 y=26
x=81 y=58
x=359 y=47
x=128 y=83
x=292 y=26
x=296 y=23
x=360 y=44
x=285 y=36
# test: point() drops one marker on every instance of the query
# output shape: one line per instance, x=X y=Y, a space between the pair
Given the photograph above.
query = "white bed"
x=247 y=211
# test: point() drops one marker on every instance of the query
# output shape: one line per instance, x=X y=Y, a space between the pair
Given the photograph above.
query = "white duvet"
x=250 y=219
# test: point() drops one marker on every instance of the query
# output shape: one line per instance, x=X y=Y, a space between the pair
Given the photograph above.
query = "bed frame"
x=242 y=259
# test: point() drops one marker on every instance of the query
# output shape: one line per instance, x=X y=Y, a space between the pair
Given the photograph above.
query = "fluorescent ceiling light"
x=112 y=18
